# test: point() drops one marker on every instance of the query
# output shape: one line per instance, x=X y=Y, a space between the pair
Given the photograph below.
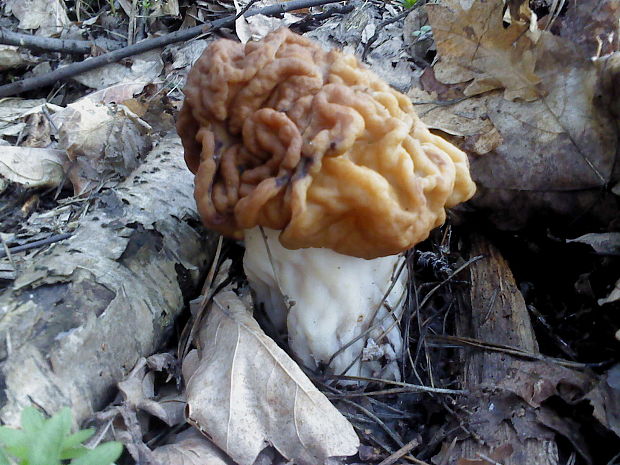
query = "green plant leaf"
x=103 y=454
x=45 y=446
x=15 y=441
x=73 y=452
x=32 y=420
x=75 y=439
x=4 y=460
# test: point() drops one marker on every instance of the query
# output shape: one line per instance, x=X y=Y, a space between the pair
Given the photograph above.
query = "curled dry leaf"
x=531 y=104
x=33 y=167
x=138 y=390
x=165 y=8
x=140 y=70
x=605 y=399
x=13 y=57
x=13 y=112
x=247 y=393
x=190 y=449
x=475 y=46
x=48 y=17
x=602 y=243
x=101 y=141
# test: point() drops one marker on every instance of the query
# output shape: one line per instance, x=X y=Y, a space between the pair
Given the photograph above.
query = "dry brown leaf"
x=247 y=393
x=191 y=449
x=48 y=17
x=474 y=45
x=602 y=243
x=554 y=154
x=589 y=23
x=101 y=141
x=141 y=70
x=32 y=167
x=14 y=57
x=467 y=119
x=13 y=111
x=138 y=389
x=165 y=8
x=117 y=93
x=605 y=399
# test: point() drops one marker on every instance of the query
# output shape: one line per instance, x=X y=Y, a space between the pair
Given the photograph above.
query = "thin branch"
x=149 y=44
x=411 y=387
x=392 y=434
x=470 y=342
x=35 y=244
x=404 y=450
x=54 y=45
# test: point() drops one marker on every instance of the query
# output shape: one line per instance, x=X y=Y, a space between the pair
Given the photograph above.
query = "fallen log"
x=500 y=427
x=79 y=317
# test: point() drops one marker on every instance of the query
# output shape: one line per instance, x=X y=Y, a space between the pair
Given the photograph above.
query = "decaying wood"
x=81 y=315
x=502 y=428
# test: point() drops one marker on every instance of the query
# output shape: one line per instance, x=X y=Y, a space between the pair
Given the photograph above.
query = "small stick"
x=35 y=244
x=391 y=460
x=149 y=44
x=53 y=45
x=411 y=387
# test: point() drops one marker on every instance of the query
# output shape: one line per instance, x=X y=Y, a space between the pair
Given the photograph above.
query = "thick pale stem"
x=326 y=300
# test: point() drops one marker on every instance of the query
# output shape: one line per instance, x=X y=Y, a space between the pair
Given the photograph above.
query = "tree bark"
x=501 y=426
x=81 y=315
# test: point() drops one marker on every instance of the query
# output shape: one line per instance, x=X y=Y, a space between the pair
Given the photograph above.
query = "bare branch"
x=54 y=45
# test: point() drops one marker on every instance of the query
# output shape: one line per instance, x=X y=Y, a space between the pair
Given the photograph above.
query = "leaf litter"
x=510 y=90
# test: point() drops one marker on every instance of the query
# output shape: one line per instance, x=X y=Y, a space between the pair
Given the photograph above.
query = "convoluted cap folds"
x=287 y=136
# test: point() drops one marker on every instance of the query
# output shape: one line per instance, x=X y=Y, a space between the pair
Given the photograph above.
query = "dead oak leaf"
x=474 y=45
x=191 y=448
x=246 y=393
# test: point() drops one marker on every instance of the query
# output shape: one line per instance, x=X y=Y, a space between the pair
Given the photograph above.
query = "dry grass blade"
x=190 y=330
x=470 y=342
x=411 y=387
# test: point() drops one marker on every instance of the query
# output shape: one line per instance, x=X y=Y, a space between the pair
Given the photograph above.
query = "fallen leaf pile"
x=527 y=103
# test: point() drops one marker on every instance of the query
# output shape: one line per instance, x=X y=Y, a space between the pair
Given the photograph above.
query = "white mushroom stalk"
x=331 y=304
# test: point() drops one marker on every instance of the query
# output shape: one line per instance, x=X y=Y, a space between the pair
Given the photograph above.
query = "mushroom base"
x=326 y=300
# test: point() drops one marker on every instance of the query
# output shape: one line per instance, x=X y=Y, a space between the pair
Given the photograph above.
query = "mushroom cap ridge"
x=285 y=135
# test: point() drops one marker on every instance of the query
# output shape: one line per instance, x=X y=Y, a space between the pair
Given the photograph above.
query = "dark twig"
x=387 y=22
x=54 y=45
x=245 y=9
x=149 y=44
x=404 y=450
x=411 y=387
x=313 y=20
x=35 y=244
x=392 y=434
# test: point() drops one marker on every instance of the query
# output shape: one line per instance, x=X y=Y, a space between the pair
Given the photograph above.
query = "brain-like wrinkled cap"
x=284 y=135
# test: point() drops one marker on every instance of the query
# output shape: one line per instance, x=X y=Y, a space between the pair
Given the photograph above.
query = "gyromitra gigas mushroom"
x=329 y=176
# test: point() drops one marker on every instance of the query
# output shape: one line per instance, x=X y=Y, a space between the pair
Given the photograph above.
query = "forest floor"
x=512 y=319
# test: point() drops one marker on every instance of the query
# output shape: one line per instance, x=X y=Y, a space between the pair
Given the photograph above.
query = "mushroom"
x=329 y=176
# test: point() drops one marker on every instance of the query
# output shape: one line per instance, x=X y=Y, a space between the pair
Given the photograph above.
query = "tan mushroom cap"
x=284 y=135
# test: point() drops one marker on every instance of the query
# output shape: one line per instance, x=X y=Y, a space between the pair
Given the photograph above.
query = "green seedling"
x=49 y=441
x=424 y=30
x=408 y=3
